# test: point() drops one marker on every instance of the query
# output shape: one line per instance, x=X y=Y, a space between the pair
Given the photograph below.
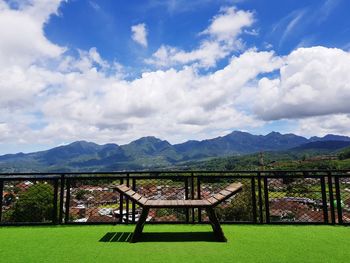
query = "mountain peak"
x=147 y=139
x=82 y=143
x=238 y=132
x=273 y=133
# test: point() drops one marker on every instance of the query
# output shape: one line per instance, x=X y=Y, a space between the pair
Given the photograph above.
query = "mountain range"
x=153 y=153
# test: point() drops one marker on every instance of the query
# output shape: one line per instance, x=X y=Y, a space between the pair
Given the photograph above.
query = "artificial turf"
x=175 y=243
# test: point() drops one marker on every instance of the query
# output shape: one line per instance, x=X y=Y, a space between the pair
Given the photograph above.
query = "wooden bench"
x=207 y=204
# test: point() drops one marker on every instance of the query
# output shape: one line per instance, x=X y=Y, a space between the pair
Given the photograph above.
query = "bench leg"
x=139 y=225
x=215 y=225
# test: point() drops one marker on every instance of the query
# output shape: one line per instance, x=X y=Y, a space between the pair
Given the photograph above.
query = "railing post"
x=60 y=216
x=260 y=200
x=186 y=198
x=66 y=215
x=199 y=197
x=133 y=203
x=121 y=204
x=1 y=199
x=267 y=205
x=253 y=199
x=324 y=200
x=338 y=197
x=127 y=201
x=192 y=195
x=55 y=200
x=331 y=197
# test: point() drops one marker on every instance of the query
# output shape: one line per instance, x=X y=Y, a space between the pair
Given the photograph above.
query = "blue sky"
x=113 y=71
x=106 y=25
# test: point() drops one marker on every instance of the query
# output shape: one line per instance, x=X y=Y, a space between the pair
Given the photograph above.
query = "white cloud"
x=221 y=40
x=313 y=81
x=206 y=55
x=5 y=132
x=139 y=34
x=228 y=24
x=158 y=99
x=86 y=103
x=22 y=37
x=322 y=125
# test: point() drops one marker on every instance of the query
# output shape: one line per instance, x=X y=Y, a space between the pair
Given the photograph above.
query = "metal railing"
x=268 y=197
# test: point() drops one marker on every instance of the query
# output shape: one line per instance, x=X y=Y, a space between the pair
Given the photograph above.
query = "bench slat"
x=177 y=203
x=225 y=192
x=163 y=202
x=219 y=196
x=234 y=187
x=123 y=187
x=130 y=192
x=199 y=202
x=181 y=202
x=142 y=200
x=137 y=196
x=212 y=200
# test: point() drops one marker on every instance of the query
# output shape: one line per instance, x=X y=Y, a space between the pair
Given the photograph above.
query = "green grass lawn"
x=175 y=243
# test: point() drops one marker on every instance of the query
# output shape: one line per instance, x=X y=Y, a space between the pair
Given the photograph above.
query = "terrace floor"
x=175 y=243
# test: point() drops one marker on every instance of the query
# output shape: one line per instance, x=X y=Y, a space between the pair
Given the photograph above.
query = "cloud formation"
x=51 y=97
x=312 y=82
x=139 y=34
x=321 y=125
x=221 y=39
x=21 y=30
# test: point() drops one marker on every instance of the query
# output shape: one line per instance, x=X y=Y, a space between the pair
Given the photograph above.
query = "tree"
x=345 y=154
x=239 y=209
x=34 y=204
x=81 y=194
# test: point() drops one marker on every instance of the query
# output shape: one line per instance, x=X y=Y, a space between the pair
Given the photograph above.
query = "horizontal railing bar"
x=185 y=172
x=97 y=178
x=26 y=224
x=21 y=177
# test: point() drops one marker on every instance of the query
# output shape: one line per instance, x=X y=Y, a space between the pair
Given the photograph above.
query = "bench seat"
x=177 y=203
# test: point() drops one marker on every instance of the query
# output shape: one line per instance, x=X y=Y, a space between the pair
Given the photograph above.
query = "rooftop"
x=175 y=243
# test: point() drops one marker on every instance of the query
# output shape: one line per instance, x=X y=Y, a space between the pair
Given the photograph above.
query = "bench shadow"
x=160 y=237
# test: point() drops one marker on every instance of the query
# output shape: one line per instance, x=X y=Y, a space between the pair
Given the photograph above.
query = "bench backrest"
x=139 y=199
x=225 y=194
x=216 y=199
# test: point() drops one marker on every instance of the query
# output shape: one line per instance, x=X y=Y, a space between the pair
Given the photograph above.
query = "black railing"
x=268 y=197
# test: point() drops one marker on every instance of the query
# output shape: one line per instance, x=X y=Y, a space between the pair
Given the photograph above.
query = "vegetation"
x=344 y=154
x=81 y=194
x=33 y=205
x=287 y=160
x=239 y=209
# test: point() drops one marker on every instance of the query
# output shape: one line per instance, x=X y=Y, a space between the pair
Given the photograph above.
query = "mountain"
x=153 y=153
x=238 y=142
x=331 y=145
x=330 y=137
x=149 y=146
x=77 y=155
